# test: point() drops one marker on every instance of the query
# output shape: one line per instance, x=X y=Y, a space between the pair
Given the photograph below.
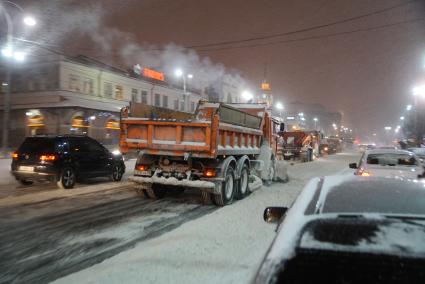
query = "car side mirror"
x=274 y=214
x=353 y=166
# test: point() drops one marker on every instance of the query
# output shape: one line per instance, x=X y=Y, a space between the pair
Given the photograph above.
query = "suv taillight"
x=14 y=155
x=47 y=157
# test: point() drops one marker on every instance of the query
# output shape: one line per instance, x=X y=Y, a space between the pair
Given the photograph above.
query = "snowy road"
x=111 y=236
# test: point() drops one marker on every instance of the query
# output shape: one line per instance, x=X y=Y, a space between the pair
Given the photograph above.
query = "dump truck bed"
x=216 y=129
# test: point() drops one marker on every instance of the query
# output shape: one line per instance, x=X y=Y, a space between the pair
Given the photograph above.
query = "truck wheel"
x=227 y=193
x=156 y=191
x=242 y=190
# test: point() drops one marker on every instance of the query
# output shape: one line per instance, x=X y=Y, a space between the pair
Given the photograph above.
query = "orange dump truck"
x=216 y=150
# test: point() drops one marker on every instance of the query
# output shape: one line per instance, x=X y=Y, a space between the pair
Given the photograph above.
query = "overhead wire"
x=305 y=29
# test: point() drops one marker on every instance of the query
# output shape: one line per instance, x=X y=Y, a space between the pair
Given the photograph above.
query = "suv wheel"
x=117 y=172
x=67 y=178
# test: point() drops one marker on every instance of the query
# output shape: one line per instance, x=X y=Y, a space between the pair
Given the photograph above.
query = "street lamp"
x=409 y=107
x=180 y=73
x=9 y=52
x=401 y=117
x=29 y=21
x=279 y=107
x=315 y=123
x=247 y=95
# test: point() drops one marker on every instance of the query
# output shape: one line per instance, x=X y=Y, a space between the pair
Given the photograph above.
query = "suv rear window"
x=38 y=145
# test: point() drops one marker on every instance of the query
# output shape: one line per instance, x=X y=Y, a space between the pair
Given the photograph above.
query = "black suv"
x=64 y=159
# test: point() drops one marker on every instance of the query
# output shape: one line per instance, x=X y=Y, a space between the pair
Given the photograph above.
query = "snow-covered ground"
x=225 y=246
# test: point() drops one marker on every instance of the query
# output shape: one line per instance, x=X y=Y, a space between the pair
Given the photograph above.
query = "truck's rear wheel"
x=156 y=191
x=227 y=189
x=242 y=190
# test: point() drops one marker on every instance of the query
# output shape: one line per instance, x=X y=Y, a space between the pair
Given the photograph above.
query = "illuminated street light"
x=419 y=91
x=19 y=56
x=401 y=117
x=279 y=106
x=387 y=128
x=246 y=95
x=178 y=72
x=315 y=123
x=409 y=107
x=29 y=21
x=190 y=76
x=301 y=114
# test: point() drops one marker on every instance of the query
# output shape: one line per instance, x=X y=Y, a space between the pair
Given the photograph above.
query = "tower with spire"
x=265 y=94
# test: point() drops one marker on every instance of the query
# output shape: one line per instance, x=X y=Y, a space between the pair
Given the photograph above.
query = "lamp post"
x=279 y=106
x=315 y=123
x=9 y=52
x=179 y=73
x=418 y=91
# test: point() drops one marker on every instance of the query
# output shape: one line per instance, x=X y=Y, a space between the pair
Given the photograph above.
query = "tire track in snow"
x=45 y=248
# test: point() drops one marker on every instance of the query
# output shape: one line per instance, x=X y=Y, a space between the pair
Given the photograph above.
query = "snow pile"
x=173 y=181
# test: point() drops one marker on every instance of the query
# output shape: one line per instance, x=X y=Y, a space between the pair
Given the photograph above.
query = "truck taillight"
x=47 y=157
x=141 y=167
x=209 y=173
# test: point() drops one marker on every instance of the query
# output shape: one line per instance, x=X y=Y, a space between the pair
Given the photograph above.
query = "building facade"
x=57 y=94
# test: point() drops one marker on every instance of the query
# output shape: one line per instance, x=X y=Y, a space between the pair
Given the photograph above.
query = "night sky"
x=368 y=76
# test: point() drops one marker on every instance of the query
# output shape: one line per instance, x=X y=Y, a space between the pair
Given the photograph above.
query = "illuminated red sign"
x=153 y=74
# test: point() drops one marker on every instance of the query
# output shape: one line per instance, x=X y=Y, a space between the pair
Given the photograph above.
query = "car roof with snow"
x=354 y=194
x=349 y=216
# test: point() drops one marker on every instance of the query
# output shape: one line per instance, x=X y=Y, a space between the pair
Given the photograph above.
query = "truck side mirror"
x=282 y=127
x=274 y=214
x=353 y=165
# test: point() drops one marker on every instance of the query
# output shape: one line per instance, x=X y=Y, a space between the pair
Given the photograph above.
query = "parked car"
x=349 y=229
x=389 y=163
x=420 y=152
x=64 y=159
